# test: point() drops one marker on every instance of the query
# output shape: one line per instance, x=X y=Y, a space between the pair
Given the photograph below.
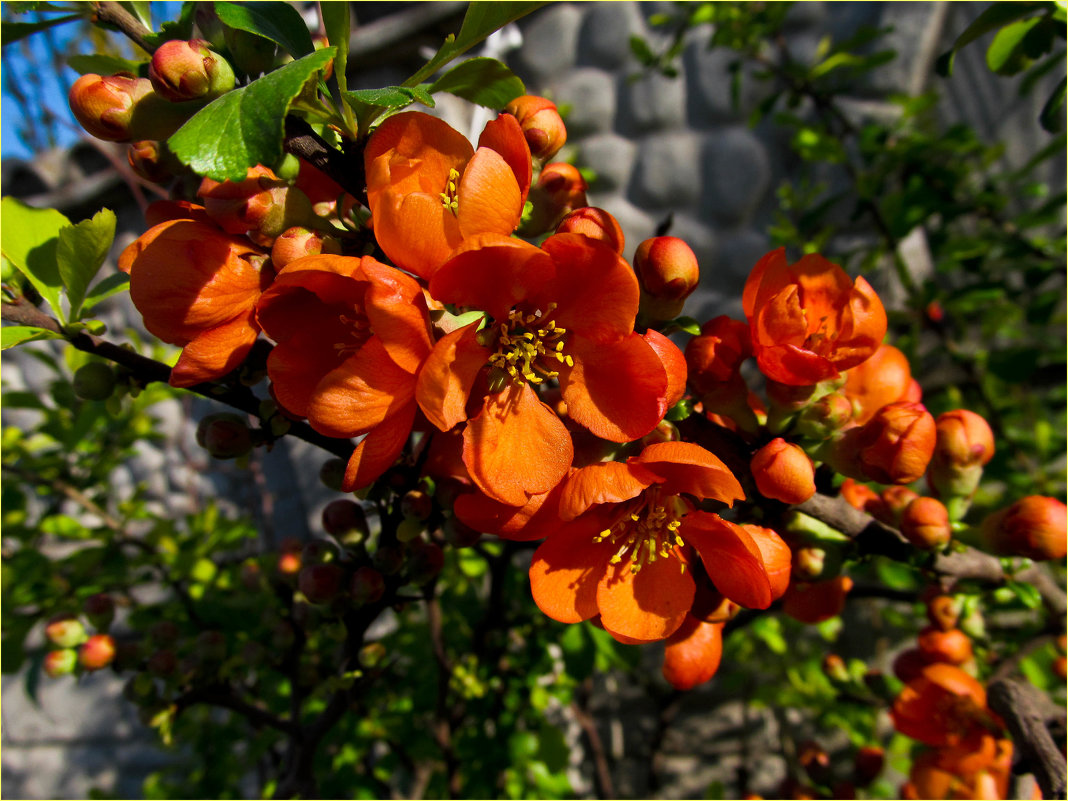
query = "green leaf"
x=484 y=81
x=101 y=64
x=11 y=335
x=388 y=97
x=997 y=16
x=112 y=285
x=1052 y=115
x=28 y=239
x=1027 y=593
x=80 y=254
x=140 y=9
x=65 y=526
x=1007 y=54
x=13 y=31
x=482 y=19
x=244 y=127
x=279 y=22
x=336 y=21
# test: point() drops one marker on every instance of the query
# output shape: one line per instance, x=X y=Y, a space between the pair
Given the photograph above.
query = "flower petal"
x=648 y=605
x=731 y=558
x=564 y=573
x=397 y=309
x=413 y=152
x=447 y=375
x=692 y=654
x=505 y=135
x=488 y=198
x=379 y=449
x=686 y=467
x=618 y=391
x=215 y=352
x=537 y=519
x=674 y=364
x=492 y=273
x=415 y=231
x=516 y=446
x=360 y=393
x=606 y=482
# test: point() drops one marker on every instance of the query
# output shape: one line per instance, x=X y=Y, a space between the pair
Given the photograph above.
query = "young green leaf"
x=80 y=253
x=484 y=81
x=998 y=15
x=11 y=335
x=103 y=289
x=279 y=22
x=336 y=24
x=244 y=127
x=13 y=31
x=101 y=64
x=28 y=240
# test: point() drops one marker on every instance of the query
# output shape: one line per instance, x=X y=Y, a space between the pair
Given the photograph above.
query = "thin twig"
x=111 y=13
x=602 y=771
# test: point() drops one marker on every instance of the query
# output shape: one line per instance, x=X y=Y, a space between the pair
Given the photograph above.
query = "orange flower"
x=352 y=334
x=692 y=654
x=1034 y=527
x=893 y=447
x=628 y=532
x=813 y=602
x=429 y=190
x=883 y=378
x=942 y=706
x=197 y=287
x=564 y=311
x=808 y=320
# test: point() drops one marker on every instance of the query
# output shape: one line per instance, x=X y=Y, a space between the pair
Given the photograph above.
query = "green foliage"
x=277 y=21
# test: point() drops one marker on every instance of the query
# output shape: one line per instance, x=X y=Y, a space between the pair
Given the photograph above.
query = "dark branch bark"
x=118 y=17
x=344 y=166
x=226 y=698
x=1018 y=703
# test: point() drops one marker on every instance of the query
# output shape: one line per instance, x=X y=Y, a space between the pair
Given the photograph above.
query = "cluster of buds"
x=75 y=648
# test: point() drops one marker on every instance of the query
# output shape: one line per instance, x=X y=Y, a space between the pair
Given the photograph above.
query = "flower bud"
x=94 y=381
x=100 y=609
x=815 y=761
x=367 y=585
x=943 y=611
x=952 y=647
x=824 y=417
x=320 y=583
x=425 y=561
x=60 y=663
x=298 y=241
x=909 y=664
x=97 y=652
x=1059 y=667
x=894 y=447
x=543 y=128
x=560 y=189
x=716 y=354
x=868 y=764
x=224 y=435
x=864 y=498
x=882 y=378
x=66 y=632
x=925 y=523
x=416 y=504
x=809 y=563
x=343 y=518
x=784 y=472
x=594 y=223
x=668 y=274
x=147 y=158
x=261 y=206
x=189 y=70
x=834 y=668
x=964 y=444
x=1033 y=527
x=817 y=601
x=896 y=499
x=104 y=105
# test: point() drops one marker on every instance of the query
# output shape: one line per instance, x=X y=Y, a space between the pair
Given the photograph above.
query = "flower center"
x=448 y=197
x=648 y=533
x=355 y=330
x=528 y=347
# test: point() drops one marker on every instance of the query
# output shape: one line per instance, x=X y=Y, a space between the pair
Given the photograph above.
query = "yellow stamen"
x=449 y=196
x=523 y=348
x=648 y=534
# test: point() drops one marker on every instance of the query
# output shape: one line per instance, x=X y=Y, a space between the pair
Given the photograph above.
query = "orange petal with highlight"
x=605 y=482
x=648 y=605
x=377 y=452
x=415 y=231
x=689 y=468
x=215 y=352
x=505 y=135
x=731 y=558
x=564 y=573
x=488 y=198
x=537 y=519
x=674 y=364
x=692 y=654
x=516 y=446
x=446 y=377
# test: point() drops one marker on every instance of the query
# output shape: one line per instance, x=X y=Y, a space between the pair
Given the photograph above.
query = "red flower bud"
x=320 y=583
x=909 y=664
x=952 y=647
x=963 y=446
x=60 y=663
x=864 y=498
x=182 y=70
x=925 y=523
x=824 y=417
x=367 y=585
x=147 y=160
x=894 y=447
x=97 y=652
x=715 y=355
x=882 y=378
x=344 y=517
x=543 y=128
x=817 y=601
x=261 y=205
x=298 y=241
x=895 y=500
x=834 y=668
x=104 y=106
x=224 y=435
x=596 y=224
x=943 y=611
x=868 y=764
x=559 y=190
x=783 y=471
x=416 y=504
x=65 y=631
x=667 y=268
x=1033 y=527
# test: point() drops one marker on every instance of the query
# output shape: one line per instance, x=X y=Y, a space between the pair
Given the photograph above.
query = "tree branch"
x=344 y=166
x=223 y=696
x=1019 y=704
x=113 y=14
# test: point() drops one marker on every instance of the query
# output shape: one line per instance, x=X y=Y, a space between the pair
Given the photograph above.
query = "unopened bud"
x=894 y=447
x=824 y=417
x=834 y=668
x=815 y=761
x=909 y=664
x=896 y=499
x=367 y=585
x=560 y=189
x=97 y=652
x=884 y=377
x=104 y=105
x=808 y=563
x=951 y=646
x=868 y=764
x=261 y=206
x=425 y=561
x=965 y=443
x=189 y=70
x=594 y=223
x=817 y=601
x=147 y=158
x=100 y=609
x=543 y=128
x=668 y=274
x=297 y=242
x=320 y=583
x=943 y=611
x=94 y=381
x=784 y=472
x=925 y=523
x=345 y=519
x=1059 y=667
x=60 y=663
x=224 y=435
x=416 y=504
x=66 y=632
x=1034 y=527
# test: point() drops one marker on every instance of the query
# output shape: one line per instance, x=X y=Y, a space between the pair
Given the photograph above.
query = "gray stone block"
x=549 y=46
x=588 y=98
x=667 y=173
x=611 y=157
x=604 y=39
x=735 y=175
x=652 y=102
x=636 y=223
